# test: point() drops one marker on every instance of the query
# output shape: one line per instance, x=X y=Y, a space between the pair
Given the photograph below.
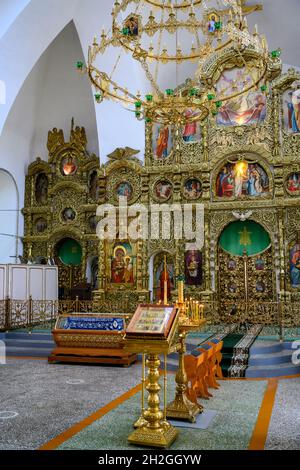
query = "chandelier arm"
x=183 y=6
x=115 y=66
x=169 y=58
x=107 y=92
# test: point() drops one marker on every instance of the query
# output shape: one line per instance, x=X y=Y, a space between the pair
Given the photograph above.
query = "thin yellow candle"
x=180 y=292
x=165 y=283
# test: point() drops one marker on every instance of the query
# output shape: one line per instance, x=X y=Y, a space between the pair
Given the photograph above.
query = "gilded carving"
x=163 y=177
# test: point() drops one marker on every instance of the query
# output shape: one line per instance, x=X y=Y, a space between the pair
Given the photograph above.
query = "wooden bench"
x=202 y=367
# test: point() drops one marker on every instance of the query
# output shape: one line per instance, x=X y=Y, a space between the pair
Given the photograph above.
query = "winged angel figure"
x=123 y=154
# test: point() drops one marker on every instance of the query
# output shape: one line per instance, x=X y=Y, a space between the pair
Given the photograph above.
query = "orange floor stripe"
x=63 y=437
x=28 y=358
x=259 y=436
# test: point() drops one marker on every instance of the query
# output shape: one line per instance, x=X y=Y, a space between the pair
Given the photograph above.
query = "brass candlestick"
x=182 y=407
x=157 y=432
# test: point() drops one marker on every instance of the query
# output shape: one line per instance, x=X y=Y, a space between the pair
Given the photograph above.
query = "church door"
x=246 y=270
x=68 y=259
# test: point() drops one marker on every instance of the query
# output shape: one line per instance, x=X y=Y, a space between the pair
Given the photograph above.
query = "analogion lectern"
x=153 y=331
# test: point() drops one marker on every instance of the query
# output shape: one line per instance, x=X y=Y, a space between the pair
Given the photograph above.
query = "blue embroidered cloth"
x=90 y=323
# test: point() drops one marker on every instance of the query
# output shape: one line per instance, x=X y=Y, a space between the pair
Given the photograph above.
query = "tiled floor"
x=49 y=399
x=48 y=402
x=284 y=430
x=231 y=428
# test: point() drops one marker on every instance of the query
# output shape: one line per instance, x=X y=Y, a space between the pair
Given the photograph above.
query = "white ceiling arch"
x=29 y=36
x=9 y=11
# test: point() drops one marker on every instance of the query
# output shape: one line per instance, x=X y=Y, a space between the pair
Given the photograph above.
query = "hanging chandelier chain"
x=154 y=85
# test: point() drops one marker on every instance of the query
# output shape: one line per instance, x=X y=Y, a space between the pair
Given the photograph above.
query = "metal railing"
x=15 y=314
x=278 y=316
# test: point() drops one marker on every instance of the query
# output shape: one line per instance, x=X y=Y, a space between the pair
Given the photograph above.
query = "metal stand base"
x=162 y=437
x=183 y=408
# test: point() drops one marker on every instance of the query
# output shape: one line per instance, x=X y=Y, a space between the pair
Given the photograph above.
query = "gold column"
x=157 y=432
x=245 y=259
x=276 y=128
x=182 y=407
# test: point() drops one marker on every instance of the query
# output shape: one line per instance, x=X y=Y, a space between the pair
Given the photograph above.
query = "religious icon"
x=231 y=265
x=162 y=141
x=213 y=20
x=247 y=109
x=232 y=287
x=124 y=189
x=69 y=166
x=122 y=265
x=93 y=186
x=163 y=273
x=193 y=268
x=68 y=214
x=293 y=182
x=41 y=188
x=191 y=130
x=128 y=273
x=259 y=264
x=93 y=223
x=291 y=105
x=260 y=287
x=94 y=273
x=163 y=190
x=151 y=319
x=295 y=265
x=41 y=225
x=192 y=188
x=131 y=26
x=242 y=179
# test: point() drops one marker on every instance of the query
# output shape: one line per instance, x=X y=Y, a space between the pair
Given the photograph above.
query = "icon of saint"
x=162 y=142
x=69 y=168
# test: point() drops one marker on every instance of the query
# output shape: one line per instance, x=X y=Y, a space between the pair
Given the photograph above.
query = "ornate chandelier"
x=205 y=38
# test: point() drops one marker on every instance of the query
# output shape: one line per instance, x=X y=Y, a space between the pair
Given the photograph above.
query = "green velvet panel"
x=240 y=236
x=70 y=252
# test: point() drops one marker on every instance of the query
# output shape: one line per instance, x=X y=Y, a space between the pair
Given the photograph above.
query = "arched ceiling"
x=9 y=11
x=28 y=27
